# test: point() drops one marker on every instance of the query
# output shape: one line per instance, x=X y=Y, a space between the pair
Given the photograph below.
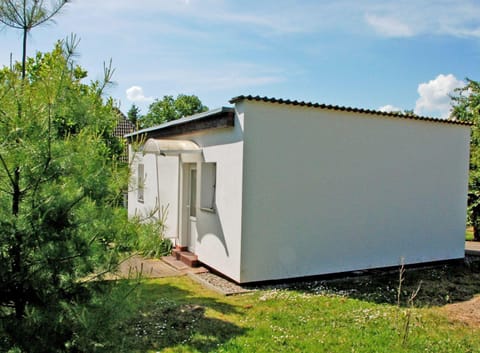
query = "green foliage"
x=97 y=324
x=143 y=236
x=151 y=241
x=67 y=106
x=168 y=109
x=59 y=185
x=466 y=107
x=469 y=234
x=149 y=237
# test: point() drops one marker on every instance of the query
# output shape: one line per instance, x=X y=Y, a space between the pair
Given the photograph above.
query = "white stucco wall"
x=168 y=188
x=331 y=191
x=218 y=243
x=160 y=198
x=145 y=208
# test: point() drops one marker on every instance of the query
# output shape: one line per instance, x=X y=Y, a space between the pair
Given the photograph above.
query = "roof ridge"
x=347 y=109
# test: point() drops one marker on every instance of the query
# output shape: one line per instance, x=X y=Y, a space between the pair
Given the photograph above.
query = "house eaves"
x=212 y=119
x=348 y=109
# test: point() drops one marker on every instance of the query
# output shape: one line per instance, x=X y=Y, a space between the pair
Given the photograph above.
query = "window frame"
x=208 y=192
x=141 y=182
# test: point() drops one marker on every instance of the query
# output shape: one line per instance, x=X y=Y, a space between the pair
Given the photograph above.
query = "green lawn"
x=469 y=234
x=354 y=315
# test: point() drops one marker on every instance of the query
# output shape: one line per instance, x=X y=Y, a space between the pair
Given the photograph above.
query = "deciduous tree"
x=169 y=108
x=466 y=107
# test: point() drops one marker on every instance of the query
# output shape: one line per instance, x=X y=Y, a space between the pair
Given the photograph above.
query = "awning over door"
x=170 y=147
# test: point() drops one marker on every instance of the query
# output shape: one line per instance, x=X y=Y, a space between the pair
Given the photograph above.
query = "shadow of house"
x=440 y=284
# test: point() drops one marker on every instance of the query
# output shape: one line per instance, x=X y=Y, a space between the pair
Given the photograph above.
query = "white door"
x=191 y=206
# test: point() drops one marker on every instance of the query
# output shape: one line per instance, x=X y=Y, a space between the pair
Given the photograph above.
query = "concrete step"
x=189 y=259
x=176 y=253
x=185 y=256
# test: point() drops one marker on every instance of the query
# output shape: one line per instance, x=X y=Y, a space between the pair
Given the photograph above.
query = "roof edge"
x=198 y=116
x=347 y=109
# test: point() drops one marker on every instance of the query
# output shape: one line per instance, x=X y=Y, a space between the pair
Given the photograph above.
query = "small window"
x=140 y=182
x=209 y=183
x=193 y=192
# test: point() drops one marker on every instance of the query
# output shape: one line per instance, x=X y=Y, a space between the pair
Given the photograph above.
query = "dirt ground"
x=467 y=312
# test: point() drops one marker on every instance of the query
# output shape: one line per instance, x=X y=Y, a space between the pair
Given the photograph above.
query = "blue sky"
x=402 y=54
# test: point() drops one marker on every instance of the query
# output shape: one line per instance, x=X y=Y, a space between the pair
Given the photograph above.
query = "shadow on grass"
x=164 y=322
x=441 y=284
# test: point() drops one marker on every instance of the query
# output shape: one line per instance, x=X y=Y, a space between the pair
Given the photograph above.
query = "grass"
x=343 y=315
x=469 y=234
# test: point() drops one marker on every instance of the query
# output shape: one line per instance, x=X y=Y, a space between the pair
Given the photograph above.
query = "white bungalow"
x=272 y=189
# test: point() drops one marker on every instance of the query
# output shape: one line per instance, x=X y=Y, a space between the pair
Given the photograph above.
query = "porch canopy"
x=170 y=147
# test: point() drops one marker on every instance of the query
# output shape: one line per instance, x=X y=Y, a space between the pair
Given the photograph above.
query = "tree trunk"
x=476 y=232
x=16 y=192
x=17 y=265
x=16 y=251
x=24 y=54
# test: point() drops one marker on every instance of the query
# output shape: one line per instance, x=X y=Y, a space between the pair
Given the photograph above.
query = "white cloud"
x=135 y=94
x=390 y=109
x=435 y=95
x=389 y=26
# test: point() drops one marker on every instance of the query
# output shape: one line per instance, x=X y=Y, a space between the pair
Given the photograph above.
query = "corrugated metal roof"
x=348 y=109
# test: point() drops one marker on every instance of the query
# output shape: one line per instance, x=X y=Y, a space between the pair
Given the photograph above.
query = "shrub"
x=151 y=241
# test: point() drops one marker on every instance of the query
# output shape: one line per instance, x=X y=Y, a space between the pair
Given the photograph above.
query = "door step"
x=188 y=258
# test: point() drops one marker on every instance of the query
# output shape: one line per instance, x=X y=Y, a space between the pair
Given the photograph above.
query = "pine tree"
x=134 y=115
x=59 y=185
